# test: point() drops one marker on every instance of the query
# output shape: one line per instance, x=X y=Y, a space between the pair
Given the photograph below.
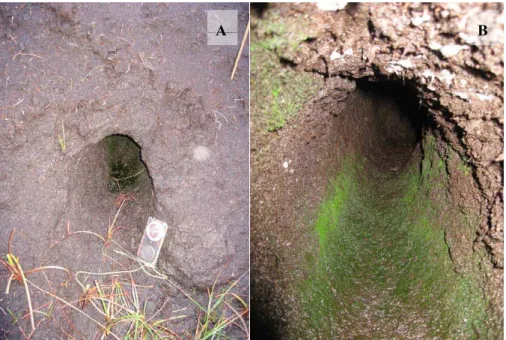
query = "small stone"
x=417 y=21
x=446 y=77
x=331 y=6
x=449 y=51
x=406 y=63
x=335 y=55
x=201 y=153
x=461 y=95
x=435 y=46
x=484 y=97
x=349 y=52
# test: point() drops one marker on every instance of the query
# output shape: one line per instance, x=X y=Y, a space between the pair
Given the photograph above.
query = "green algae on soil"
x=279 y=92
x=383 y=268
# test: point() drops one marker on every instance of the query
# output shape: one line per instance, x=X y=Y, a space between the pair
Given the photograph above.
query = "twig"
x=64 y=237
x=63 y=143
x=19 y=102
x=240 y=51
x=71 y=306
x=111 y=227
x=8 y=288
x=134 y=175
x=218 y=112
x=10 y=242
x=10 y=36
x=12 y=106
x=158 y=311
x=26 y=54
x=89 y=73
x=32 y=321
x=122 y=39
x=217 y=121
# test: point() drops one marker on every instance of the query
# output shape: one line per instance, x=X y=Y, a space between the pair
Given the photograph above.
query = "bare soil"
x=140 y=70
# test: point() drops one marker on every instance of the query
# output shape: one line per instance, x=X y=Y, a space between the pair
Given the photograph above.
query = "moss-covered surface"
x=285 y=35
x=278 y=92
x=281 y=38
x=384 y=266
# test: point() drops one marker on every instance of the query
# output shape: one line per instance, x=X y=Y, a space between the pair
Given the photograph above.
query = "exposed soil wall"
x=294 y=167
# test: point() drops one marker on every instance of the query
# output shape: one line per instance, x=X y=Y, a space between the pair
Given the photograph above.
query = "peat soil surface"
x=374 y=216
x=71 y=76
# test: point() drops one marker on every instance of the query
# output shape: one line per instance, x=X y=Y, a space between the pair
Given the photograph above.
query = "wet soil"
x=74 y=74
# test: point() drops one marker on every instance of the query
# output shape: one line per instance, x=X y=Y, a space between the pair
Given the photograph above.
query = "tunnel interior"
x=372 y=210
x=384 y=249
x=386 y=122
x=384 y=229
x=405 y=125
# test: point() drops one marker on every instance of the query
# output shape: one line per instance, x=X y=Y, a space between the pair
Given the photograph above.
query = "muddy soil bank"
x=73 y=74
x=293 y=167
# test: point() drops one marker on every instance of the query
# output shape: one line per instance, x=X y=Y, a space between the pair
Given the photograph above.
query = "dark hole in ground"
x=382 y=125
x=126 y=169
x=104 y=175
x=128 y=178
x=406 y=97
x=393 y=122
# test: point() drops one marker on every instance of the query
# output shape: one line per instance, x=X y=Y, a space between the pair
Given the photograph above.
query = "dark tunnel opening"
x=126 y=169
x=385 y=123
x=411 y=108
x=391 y=123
